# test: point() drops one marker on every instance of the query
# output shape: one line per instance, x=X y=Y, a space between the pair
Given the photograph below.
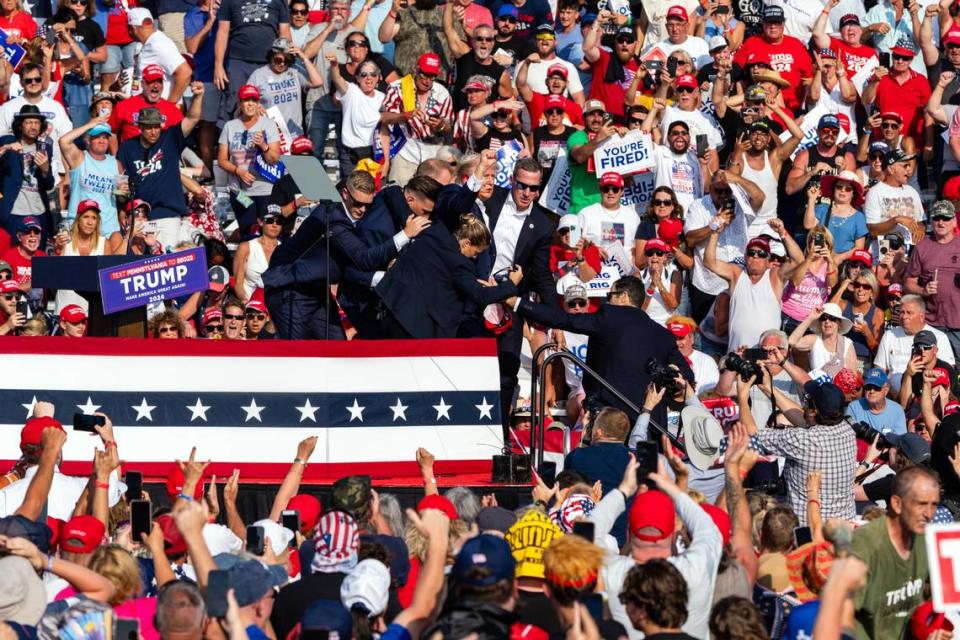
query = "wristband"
x=184 y=496
x=743 y=474
x=108 y=444
x=540 y=503
x=813 y=501
x=300 y=461
x=101 y=485
x=49 y=563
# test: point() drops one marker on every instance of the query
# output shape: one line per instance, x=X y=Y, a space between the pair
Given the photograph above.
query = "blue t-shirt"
x=193 y=23
x=845 y=230
x=532 y=14
x=890 y=420
x=254 y=25
x=396 y=632
x=174 y=6
x=155 y=172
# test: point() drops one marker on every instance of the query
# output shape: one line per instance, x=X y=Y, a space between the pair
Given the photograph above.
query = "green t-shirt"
x=584 y=184
x=894 y=585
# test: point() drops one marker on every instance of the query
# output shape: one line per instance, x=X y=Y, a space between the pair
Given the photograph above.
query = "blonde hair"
x=827 y=236
x=75 y=229
x=417 y=543
x=117 y=565
x=35 y=326
x=690 y=322
x=571 y=564
x=871 y=279
x=473 y=230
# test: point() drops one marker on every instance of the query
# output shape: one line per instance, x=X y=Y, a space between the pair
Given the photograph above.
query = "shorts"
x=119 y=57
x=210 y=108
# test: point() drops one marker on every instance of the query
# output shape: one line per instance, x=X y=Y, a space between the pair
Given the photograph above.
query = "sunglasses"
x=35 y=80
x=427 y=76
x=829 y=131
x=368 y=74
x=757 y=253
x=662 y=203
x=678 y=132
x=31 y=232
x=11 y=296
x=626 y=40
x=299 y=12
x=523 y=186
x=889 y=125
x=167 y=330
x=272 y=220
x=358 y=204
x=213 y=328
x=898 y=57
x=869 y=387
x=685 y=90
x=723 y=192
x=636 y=121
x=861 y=285
x=874 y=157
x=357 y=43
x=953 y=46
x=255 y=315
x=501 y=114
x=842 y=186
x=507 y=19
x=941 y=218
x=554 y=112
x=232 y=316
x=576 y=304
x=611 y=189
x=280 y=60
x=826 y=318
x=655 y=252
x=483 y=39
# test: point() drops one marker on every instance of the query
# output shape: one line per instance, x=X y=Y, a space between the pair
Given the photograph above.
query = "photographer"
x=874 y=409
x=827 y=444
x=897 y=345
x=787 y=376
x=925 y=364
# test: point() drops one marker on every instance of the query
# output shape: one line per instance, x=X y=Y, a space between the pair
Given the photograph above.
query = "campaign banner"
x=809 y=128
x=862 y=77
x=943 y=558
x=625 y=155
x=507 y=157
x=14 y=53
x=285 y=137
x=246 y=404
x=269 y=172
x=153 y=279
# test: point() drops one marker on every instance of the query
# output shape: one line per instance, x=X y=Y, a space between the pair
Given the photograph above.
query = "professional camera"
x=664 y=376
x=593 y=405
x=867 y=433
x=747 y=365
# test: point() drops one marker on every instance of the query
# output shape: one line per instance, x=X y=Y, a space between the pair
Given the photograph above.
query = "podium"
x=81 y=274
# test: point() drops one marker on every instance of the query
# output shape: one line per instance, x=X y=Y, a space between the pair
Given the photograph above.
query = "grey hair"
x=485 y=80
x=466 y=503
x=369 y=63
x=781 y=335
x=180 y=609
x=392 y=513
x=913 y=298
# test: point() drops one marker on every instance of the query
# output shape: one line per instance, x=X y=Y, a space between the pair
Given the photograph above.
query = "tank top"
x=98 y=250
x=814 y=156
x=859 y=342
x=754 y=308
x=828 y=362
x=767 y=181
x=68 y=296
x=94 y=179
x=256 y=265
x=799 y=301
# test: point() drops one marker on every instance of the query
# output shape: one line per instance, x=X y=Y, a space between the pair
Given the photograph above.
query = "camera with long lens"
x=747 y=365
x=593 y=405
x=663 y=376
x=867 y=433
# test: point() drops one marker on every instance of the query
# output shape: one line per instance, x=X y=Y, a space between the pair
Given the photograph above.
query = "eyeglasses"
x=611 y=189
x=299 y=12
x=272 y=220
x=576 y=304
x=685 y=90
x=826 y=318
x=31 y=232
x=33 y=80
x=554 y=112
x=678 y=60
x=507 y=19
x=357 y=43
x=523 y=186
x=232 y=316
x=662 y=203
x=368 y=74
x=843 y=186
x=889 y=125
x=861 y=285
x=213 y=328
x=655 y=252
x=483 y=38
x=757 y=253
x=922 y=347
x=255 y=315
x=901 y=58
x=167 y=329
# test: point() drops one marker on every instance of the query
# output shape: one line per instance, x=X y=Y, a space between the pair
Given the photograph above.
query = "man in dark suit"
x=522 y=233
x=623 y=339
x=297 y=284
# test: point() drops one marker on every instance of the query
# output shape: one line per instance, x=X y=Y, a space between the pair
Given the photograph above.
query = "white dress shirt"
x=505 y=236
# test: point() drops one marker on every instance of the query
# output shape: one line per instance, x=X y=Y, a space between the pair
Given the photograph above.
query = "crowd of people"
x=775 y=299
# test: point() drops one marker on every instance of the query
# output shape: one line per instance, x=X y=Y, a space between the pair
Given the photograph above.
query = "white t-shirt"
x=698 y=49
x=537 y=76
x=799 y=17
x=680 y=172
x=884 y=202
x=730 y=247
x=705 y=371
x=698 y=123
x=893 y=352
x=58 y=123
x=361 y=116
x=656 y=11
x=606 y=226
x=160 y=49
x=284 y=91
x=64 y=492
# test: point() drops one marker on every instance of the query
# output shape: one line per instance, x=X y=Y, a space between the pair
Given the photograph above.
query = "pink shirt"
x=813 y=291
x=476 y=14
x=142 y=609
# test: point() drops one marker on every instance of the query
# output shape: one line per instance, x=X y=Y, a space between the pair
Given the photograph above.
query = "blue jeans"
x=320 y=121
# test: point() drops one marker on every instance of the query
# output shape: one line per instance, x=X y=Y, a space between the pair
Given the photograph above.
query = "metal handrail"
x=534 y=370
x=537 y=443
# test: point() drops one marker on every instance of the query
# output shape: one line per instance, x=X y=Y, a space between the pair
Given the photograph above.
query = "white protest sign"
x=599 y=287
x=862 y=77
x=637 y=190
x=620 y=7
x=625 y=155
x=619 y=256
x=285 y=138
x=943 y=558
x=743 y=201
x=809 y=128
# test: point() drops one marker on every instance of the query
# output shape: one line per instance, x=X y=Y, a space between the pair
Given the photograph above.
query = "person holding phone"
x=811 y=279
x=11 y=318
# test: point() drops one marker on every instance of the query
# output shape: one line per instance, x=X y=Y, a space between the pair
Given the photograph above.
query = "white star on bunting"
x=356 y=411
x=443 y=409
x=29 y=407
x=89 y=408
x=307 y=411
x=484 y=409
x=399 y=411
x=253 y=411
x=198 y=410
x=144 y=410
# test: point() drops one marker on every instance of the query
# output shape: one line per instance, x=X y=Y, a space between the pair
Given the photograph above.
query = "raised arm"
x=291 y=482
x=739 y=460
x=230 y=491
x=435 y=527
x=457 y=46
x=190 y=519
x=85 y=582
x=196 y=109
x=52 y=441
x=725 y=270
x=820 y=37
x=71 y=153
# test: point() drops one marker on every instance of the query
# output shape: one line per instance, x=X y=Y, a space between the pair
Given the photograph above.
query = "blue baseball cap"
x=487 y=552
x=327 y=615
x=829 y=121
x=100 y=129
x=827 y=398
x=249 y=579
x=879 y=147
x=875 y=377
x=588 y=18
x=29 y=222
x=508 y=10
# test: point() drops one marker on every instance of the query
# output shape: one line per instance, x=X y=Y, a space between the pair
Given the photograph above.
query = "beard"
x=425 y=5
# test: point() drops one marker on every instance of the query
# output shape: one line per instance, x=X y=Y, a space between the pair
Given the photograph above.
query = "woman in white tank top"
x=830 y=349
x=662 y=281
x=253 y=256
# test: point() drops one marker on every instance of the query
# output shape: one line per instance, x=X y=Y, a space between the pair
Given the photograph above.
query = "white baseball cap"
x=220 y=539
x=279 y=536
x=368 y=586
x=136 y=16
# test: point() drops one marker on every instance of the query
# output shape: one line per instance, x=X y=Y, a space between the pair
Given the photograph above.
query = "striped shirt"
x=418 y=132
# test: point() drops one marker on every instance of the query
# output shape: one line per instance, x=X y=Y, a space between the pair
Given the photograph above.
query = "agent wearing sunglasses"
x=281 y=83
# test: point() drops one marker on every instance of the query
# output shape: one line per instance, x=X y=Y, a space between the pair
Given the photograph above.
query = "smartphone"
x=819 y=240
x=215 y=597
x=654 y=67
x=647 y=456
x=548 y=473
x=22 y=307
x=140 y=513
x=134 y=482
x=701 y=144
x=255 y=540
x=802 y=536
x=884 y=59
x=584 y=529
x=731 y=206
x=84 y=422
x=291 y=520
x=672 y=66
x=315 y=634
x=722 y=10
x=126 y=629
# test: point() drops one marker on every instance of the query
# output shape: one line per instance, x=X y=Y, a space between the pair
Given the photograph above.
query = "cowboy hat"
x=703 y=435
x=771 y=76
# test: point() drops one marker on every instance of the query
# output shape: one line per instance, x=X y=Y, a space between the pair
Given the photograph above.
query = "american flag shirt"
x=420 y=136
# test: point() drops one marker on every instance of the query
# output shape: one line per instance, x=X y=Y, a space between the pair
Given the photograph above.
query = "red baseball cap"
x=895 y=290
x=32 y=431
x=611 y=178
x=212 y=314
x=301 y=146
x=9 y=286
x=952 y=37
x=687 y=80
x=56 y=526
x=924 y=621
x=173 y=542
x=677 y=12
x=891 y=115
x=951 y=188
x=87 y=205
x=248 y=92
x=81 y=534
x=256 y=302
x=308 y=507
x=152 y=73
x=553 y=101
x=679 y=329
x=903 y=51
x=438 y=502
x=429 y=63
x=73 y=313
x=759 y=243
x=721 y=519
x=654 y=510
x=670 y=230
x=175 y=485
x=943 y=378
x=657 y=243
x=557 y=68
x=864 y=257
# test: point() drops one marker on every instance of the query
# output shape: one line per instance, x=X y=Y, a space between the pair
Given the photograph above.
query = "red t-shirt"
x=613 y=95
x=117 y=33
x=19 y=25
x=124 y=116
x=22 y=265
x=5 y=242
x=538 y=103
x=789 y=58
x=853 y=57
x=908 y=99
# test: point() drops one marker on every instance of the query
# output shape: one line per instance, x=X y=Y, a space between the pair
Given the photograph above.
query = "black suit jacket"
x=622 y=340
x=533 y=246
x=426 y=288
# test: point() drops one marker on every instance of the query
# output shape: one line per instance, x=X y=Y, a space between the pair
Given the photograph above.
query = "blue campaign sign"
x=136 y=284
x=14 y=53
